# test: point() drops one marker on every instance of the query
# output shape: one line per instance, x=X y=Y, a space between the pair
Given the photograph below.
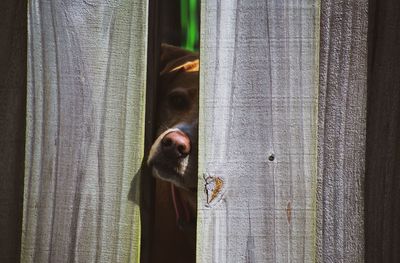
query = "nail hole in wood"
x=271 y=158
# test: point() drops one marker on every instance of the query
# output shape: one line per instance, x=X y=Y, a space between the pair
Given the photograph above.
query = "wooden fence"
x=258 y=125
x=85 y=126
x=299 y=130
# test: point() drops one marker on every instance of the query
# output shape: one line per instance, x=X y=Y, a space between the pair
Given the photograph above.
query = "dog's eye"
x=178 y=101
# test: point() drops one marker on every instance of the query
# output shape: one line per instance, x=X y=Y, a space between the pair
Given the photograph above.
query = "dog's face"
x=173 y=155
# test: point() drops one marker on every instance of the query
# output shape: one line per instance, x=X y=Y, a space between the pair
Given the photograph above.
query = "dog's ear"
x=190 y=66
x=175 y=59
x=170 y=53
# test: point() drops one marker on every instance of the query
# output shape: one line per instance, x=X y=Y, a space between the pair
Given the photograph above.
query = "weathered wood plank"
x=383 y=134
x=85 y=126
x=12 y=125
x=258 y=128
x=341 y=132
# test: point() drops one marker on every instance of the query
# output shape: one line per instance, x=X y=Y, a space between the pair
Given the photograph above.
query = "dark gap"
x=167 y=235
x=147 y=184
x=382 y=181
x=13 y=79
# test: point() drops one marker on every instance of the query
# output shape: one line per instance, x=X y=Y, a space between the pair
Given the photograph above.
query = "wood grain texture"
x=341 y=132
x=258 y=128
x=13 y=39
x=85 y=128
x=383 y=134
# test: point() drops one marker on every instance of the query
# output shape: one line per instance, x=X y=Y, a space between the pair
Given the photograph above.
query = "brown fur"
x=179 y=80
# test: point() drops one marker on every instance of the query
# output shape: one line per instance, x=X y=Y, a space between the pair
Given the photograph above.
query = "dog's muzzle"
x=170 y=157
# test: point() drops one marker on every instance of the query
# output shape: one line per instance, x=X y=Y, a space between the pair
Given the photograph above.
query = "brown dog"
x=173 y=156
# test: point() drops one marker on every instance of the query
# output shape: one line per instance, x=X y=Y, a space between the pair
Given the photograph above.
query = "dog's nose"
x=176 y=143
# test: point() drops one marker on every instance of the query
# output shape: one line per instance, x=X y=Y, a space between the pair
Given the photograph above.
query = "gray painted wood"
x=259 y=76
x=12 y=125
x=85 y=128
x=341 y=131
x=383 y=134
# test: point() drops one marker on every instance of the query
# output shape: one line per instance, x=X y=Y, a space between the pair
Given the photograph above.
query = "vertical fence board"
x=258 y=128
x=383 y=134
x=12 y=125
x=85 y=128
x=341 y=133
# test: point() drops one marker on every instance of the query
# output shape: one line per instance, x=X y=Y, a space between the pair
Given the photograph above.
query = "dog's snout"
x=176 y=143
